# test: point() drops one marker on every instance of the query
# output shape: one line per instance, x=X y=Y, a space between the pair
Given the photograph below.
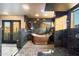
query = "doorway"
x=11 y=31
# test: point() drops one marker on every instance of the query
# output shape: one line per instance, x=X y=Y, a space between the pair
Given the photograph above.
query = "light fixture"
x=5 y=13
x=26 y=7
x=0 y=26
x=45 y=14
x=35 y=21
x=38 y=19
x=37 y=15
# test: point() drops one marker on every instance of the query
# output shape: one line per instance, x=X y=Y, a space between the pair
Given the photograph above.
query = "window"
x=76 y=17
x=60 y=23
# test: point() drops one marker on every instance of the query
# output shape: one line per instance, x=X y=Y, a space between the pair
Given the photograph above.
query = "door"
x=10 y=32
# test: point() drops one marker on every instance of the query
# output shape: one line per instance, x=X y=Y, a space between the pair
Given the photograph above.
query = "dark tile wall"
x=73 y=41
x=60 y=37
x=0 y=40
x=68 y=38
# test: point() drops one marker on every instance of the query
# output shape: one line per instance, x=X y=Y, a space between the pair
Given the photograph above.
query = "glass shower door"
x=10 y=32
x=6 y=32
x=16 y=31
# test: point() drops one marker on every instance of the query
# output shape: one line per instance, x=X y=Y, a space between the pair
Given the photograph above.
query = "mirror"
x=42 y=26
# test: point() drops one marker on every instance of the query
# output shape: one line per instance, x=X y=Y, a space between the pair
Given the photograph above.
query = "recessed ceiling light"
x=5 y=13
x=26 y=7
x=37 y=15
x=45 y=14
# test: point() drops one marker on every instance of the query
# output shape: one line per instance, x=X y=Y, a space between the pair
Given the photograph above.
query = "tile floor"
x=31 y=49
x=9 y=49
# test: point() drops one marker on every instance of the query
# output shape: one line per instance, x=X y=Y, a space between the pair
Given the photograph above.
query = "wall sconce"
x=0 y=26
x=35 y=21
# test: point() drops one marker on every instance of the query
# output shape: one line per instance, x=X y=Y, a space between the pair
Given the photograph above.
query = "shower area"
x=10 y=36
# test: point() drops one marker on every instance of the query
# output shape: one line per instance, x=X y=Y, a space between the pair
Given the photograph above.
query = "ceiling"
x=34 y=8
x=59 y=6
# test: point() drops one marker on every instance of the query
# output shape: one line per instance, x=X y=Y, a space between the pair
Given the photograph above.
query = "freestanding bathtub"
x=40 y=39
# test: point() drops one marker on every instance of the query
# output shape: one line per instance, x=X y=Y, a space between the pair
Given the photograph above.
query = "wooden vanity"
x=40 y=39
